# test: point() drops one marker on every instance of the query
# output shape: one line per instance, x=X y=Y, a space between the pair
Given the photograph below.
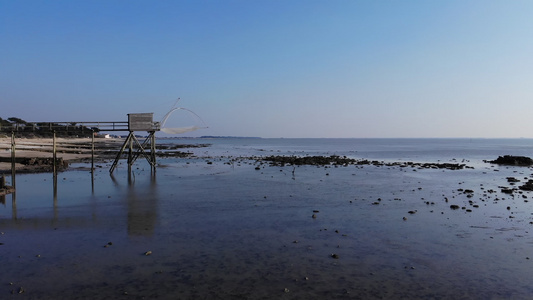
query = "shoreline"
x=35 y=155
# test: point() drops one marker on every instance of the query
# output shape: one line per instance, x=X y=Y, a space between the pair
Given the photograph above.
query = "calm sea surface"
x=214 y=227
x=430 y=150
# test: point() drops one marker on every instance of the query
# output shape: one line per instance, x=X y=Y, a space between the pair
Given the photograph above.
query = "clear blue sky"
x=275 y=68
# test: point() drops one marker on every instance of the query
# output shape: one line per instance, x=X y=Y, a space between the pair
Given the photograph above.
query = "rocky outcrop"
x=345 y=161
x=511 y=160
x=37 y=164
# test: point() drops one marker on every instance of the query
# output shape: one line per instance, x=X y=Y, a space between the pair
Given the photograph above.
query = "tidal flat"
x=225 y=227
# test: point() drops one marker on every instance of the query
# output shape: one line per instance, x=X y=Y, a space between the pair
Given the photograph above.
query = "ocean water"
x=216 y=228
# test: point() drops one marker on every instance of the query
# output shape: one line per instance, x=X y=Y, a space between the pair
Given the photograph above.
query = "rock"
x=528 y=186
x=512 y=160
x=507 y=191
x=512 y=179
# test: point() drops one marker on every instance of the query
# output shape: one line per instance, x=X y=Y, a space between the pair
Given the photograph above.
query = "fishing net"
x=179 y=130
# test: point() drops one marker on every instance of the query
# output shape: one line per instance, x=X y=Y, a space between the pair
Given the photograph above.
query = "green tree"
x=16 y=120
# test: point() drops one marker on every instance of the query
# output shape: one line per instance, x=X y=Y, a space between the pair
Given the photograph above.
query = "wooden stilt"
x=126 y=143
x=152 y=151
x=132 y=142
x=130 y=153
x=141 y=150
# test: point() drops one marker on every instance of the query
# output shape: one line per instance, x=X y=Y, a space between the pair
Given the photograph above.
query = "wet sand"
x=226 y=228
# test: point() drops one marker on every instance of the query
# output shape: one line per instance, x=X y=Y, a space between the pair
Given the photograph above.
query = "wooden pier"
x=135 y=149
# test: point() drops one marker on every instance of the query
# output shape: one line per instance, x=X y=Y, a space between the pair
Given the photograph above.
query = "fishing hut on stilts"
x=134 y=148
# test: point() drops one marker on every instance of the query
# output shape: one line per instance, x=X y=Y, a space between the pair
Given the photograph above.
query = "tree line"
x=22 y=128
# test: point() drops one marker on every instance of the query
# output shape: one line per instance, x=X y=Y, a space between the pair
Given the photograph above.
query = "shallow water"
x=228 y=231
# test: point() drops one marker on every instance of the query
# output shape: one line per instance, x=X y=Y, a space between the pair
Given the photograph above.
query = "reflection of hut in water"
x=142 y=216
x=142 y=210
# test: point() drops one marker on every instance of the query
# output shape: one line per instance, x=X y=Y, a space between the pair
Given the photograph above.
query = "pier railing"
x=64 y=126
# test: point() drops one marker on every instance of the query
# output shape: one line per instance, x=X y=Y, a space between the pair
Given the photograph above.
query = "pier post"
x=54 y=158
x=92 y=153
x=54 y=155
x=13 y=147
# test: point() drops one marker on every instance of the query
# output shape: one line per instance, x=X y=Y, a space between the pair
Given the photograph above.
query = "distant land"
x=228 y=137
x=211 y=137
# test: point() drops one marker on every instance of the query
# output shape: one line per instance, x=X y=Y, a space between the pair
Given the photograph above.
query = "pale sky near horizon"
x=276 y=68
